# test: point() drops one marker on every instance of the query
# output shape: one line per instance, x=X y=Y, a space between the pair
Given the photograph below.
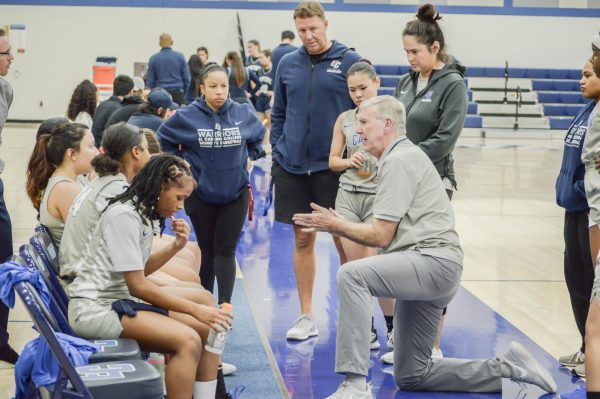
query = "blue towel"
x=37 y=364
x=12 y=273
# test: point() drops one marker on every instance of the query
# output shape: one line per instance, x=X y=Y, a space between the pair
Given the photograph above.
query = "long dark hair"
x=237 y=67
x=83 y=99
x=427 y=30
x=195 y=66
x=48 y=154
x=117 y=141
x=160 y=173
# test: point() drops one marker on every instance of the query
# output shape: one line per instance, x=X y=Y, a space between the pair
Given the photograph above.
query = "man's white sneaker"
x=374 y=340
x=572 y=360
x=524 y=368
x=437 y=353
x=390 y=337
x=228 y=369
x=388 y=358
x=304 y=328
x=346 y=391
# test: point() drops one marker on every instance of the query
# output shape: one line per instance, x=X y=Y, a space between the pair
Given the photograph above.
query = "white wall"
x=63 y=42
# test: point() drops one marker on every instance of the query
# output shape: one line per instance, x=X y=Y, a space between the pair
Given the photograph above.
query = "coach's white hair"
x=388 y=107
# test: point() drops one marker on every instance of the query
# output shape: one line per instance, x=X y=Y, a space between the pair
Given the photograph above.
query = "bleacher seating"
x=550 y=98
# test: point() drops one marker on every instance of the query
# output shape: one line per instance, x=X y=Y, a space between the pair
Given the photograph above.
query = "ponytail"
x=39 y=171
x=48 y=154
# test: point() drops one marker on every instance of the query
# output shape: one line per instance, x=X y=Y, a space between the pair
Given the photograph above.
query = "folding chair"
x=110 y=349
x=130 y=379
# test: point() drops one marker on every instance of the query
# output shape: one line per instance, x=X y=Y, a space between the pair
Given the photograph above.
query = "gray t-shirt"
x=83 y=217
x=120 y=243
x=411 y=192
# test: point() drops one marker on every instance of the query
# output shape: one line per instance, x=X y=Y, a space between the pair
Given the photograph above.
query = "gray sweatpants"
x=422 y=286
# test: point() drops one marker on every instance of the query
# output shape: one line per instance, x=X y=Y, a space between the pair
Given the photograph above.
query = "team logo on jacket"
x=574 y=136
x=217 y=137
x=334 y=67
x=427 y=97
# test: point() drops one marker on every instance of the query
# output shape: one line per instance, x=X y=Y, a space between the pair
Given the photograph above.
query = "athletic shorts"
x=294 y=193
x=92 y=319
x=354 y=206
x=263 y=104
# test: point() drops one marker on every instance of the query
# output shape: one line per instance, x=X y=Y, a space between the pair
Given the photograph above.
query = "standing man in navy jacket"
x=168 y=69
x=310 y=92
x=570 y=195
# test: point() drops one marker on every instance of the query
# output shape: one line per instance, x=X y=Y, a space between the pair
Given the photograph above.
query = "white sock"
x=357 y=381
x=205 y=390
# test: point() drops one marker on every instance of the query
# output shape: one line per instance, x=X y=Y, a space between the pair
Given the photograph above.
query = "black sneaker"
x=8 y=355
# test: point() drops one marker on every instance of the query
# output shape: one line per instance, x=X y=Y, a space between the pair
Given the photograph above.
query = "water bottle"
x=216 y=339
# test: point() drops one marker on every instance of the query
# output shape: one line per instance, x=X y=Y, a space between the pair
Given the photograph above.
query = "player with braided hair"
x=111 y=297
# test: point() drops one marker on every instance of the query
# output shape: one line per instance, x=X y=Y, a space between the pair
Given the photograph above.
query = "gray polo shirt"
x=411 y=192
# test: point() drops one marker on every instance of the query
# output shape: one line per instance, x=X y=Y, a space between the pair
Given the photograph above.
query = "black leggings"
x=218 y=229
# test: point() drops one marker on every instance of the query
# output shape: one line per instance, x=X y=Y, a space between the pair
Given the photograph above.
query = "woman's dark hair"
x=49 y=125
x=195 y=66
x=117 y=141
x=160 y=173
x=237 y=67
x=83 y=99
x=152 y=139
x=362 y=66
x=427 y=30
x=48 y=154
x=209 y=68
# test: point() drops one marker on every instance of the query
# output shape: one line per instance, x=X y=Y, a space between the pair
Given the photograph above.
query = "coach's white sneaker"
x=304 y=328
x=524 y=368
x=347 y=391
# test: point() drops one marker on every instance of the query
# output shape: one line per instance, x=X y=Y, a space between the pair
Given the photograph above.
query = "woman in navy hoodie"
x=570 y=195
x=216 y=136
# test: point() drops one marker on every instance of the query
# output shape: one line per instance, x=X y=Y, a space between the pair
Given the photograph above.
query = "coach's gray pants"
x=422 y=286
